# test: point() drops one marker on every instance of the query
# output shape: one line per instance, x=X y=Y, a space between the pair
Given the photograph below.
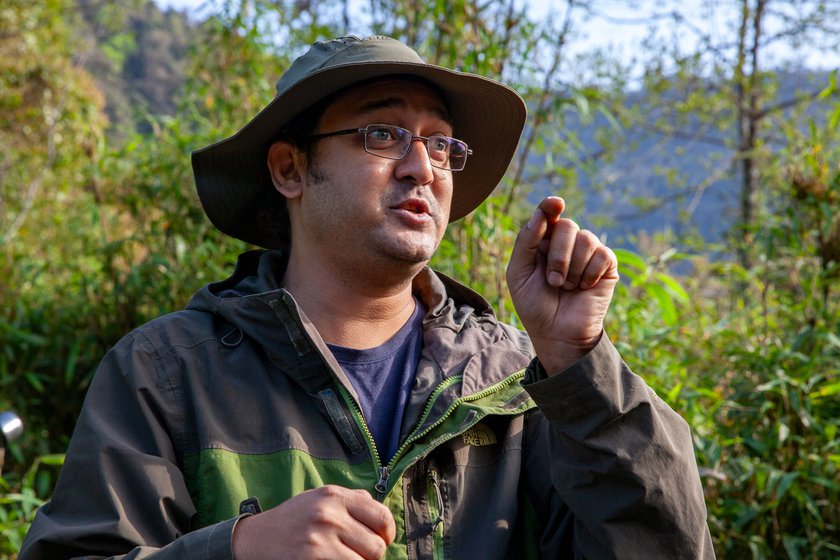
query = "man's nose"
x=416 y=165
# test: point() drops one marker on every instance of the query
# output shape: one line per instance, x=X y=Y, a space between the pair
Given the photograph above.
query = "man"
x=335 y=398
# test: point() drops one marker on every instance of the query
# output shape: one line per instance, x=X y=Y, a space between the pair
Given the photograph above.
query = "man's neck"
x=348 y=310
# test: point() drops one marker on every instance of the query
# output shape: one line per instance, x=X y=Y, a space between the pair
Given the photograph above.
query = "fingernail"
x=535 y=219
x=555 y=279
x=568 y=286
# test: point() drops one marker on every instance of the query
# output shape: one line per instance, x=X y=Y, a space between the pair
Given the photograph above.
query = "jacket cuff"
x=592 y=392
x=218 y=539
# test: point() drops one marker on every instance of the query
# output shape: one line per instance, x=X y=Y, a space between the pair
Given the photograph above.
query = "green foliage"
x=18 y=507
x=755 y=382
x=477 y=251
x=102 y=233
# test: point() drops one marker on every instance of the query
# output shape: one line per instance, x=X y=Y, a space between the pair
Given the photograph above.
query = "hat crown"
x=343 y=51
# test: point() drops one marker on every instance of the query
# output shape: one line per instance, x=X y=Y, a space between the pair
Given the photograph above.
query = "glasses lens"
x=457 y=154
x=447 y=153
x=385 y=140
x=439 y=150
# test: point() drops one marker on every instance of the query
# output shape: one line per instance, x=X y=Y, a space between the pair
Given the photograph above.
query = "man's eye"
x=438 y=143
x=380 y=134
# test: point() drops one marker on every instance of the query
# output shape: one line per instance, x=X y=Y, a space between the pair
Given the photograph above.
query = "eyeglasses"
x=393 y=142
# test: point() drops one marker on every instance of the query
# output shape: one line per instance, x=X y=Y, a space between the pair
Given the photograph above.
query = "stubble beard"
x=388 y=254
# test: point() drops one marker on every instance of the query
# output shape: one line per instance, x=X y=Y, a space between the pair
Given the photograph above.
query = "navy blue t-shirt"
x=382 y=377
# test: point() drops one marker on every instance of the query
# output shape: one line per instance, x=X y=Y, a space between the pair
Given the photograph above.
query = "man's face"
x=363 y=209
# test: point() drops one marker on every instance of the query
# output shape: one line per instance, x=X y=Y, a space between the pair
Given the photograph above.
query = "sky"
x=620 y=29
x=598 y=28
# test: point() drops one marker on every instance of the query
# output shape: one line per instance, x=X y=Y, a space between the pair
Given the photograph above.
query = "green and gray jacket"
x=238 y=396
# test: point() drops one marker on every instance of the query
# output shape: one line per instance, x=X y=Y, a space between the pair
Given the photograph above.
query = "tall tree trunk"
x=748 y=97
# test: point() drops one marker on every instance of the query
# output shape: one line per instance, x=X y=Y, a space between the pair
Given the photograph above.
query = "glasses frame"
x=364 y=131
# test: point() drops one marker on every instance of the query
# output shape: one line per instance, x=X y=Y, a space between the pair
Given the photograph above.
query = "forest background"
x=712 y=168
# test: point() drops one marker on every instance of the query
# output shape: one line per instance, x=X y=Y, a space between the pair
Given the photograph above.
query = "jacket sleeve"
x=623 y=475
x=120 y=492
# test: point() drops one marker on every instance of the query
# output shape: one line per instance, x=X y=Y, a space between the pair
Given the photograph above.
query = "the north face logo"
x=479 y=435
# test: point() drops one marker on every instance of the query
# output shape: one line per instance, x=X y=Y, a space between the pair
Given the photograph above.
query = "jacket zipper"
x=443 y=385
x=435 y=501
x=299 y=338
x=382 y=486
x=383 y=472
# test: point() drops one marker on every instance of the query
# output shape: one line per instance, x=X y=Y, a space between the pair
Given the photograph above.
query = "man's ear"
x=286 y=164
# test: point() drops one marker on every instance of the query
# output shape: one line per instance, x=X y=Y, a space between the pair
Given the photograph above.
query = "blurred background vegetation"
x=728 y=305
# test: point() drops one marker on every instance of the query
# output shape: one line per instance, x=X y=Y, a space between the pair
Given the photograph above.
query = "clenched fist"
x=330 y=522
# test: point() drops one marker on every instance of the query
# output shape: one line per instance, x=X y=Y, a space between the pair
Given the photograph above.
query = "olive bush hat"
x=232 y=176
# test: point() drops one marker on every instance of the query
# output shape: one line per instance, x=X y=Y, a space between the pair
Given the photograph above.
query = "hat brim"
x=232 y=176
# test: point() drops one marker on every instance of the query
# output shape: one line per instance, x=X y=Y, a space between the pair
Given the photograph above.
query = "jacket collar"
x=461 y=333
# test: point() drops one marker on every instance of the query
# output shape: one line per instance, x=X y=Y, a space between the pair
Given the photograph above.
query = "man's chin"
x=415 y=258
x=411 y=250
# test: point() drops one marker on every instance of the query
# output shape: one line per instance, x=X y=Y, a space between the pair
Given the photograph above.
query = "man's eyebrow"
x=392 y=102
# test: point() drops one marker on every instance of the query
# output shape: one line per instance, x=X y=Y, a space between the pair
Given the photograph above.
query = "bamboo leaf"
x=674 y=287
x=629 y=258
x=666 y=303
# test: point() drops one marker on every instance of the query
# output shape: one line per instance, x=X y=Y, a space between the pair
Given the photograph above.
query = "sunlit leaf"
x=665 y=301
x=629 y=258
x=674 y=287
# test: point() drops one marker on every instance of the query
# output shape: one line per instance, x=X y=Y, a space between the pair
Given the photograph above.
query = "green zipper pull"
x=382 y=485
x=435 y=504
x=433 y=478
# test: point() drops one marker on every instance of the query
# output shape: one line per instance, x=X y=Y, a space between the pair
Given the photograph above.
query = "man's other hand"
x=561 y=280
x=328 y=522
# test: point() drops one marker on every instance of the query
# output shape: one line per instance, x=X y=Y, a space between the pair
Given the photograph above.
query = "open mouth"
x=415 y=206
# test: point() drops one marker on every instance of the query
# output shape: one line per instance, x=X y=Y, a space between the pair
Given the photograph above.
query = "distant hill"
x=677 y=184
x=137 y=54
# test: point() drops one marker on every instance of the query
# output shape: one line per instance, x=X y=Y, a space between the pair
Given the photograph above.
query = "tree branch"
x=788 y=103
x=697 y=191
x=542 y=105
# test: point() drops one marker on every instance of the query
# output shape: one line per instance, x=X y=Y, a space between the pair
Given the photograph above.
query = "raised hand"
x=561 y=280
x=328 y=522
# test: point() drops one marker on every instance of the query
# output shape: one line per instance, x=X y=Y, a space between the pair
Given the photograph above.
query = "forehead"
x=384 y=94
